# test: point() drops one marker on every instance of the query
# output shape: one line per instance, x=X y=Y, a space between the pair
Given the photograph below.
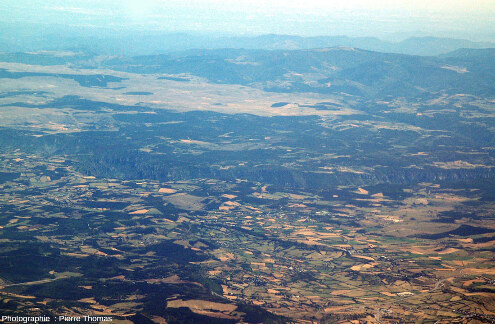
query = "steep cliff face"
x=282 y=176
x=295 y=152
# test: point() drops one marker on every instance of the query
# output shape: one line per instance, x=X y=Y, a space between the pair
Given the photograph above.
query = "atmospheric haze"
x=382 y=18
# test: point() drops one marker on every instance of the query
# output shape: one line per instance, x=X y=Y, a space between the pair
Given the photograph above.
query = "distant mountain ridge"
x=425 y=46
x=335 y=70
x=329 y=70
x=143 y=43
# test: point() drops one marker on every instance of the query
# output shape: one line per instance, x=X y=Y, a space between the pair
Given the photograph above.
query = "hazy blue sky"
x=456 y=18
